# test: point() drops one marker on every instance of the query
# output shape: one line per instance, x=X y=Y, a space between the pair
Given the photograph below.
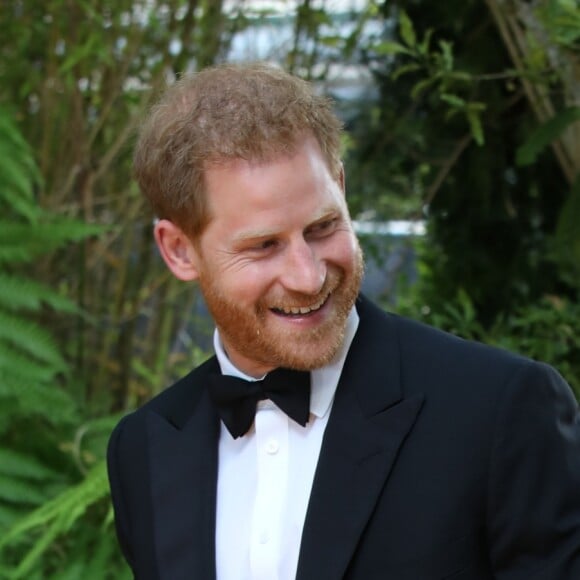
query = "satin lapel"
x=367 y=427
x=183 y=490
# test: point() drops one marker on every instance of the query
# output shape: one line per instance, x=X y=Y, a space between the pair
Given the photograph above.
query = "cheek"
x=249 y=286
x=344 y=251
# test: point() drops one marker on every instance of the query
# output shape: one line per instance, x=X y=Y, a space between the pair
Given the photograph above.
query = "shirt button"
x=272 y=447
x=264 y=537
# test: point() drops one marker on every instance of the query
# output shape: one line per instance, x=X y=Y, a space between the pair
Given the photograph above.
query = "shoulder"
x=174 y=404
x=184 y=393
x=426 y=343
x=433 y=360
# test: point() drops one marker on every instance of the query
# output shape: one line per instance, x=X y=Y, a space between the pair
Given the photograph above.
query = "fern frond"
x=99 y=564
x=20 y=491
x=21 y=243
x=54 y=518
x=18 y=171
x=15 y=189
x=30 y=338
x=8 y=515
x=95 y=555
x=64 y=510
x=29 y=363
x=27 y=400
x=19 y=465
x=14 y=141
x=22 y=293
x=74 y=571
x=17 y=367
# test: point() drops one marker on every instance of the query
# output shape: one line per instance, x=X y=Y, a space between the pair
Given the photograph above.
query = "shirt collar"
x=323 y=380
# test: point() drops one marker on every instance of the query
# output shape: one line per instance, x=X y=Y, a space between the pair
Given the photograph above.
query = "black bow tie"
x=236 y=399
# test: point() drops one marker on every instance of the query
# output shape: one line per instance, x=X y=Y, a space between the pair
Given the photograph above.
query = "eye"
x=323 y=228
x=263 y=246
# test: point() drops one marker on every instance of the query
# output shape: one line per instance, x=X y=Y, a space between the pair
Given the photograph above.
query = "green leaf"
x=561 y=19
x=18 y=172
x=8 y=515
x=446 y=54
x=55 y=518
x=75 y=570
x=14 y=175
x=29 y=338
x=422 y=86
x=79 y=53
x=567 y=235
x=19 y=491
x=475 y=126
x=29 y=399
x=407 y=30
x=16 y=368
x=460 y=76
x=405 y=69
x=425 y=44
x=9 y=130
x=17 y=244
x=545 y=134
x=454 y=100
x=22 y=293
x=388 y=47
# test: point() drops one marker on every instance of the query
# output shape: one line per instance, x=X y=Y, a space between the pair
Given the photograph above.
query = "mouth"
x=301 y=310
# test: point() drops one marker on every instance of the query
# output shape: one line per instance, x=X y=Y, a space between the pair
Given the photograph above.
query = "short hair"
x=252 y=111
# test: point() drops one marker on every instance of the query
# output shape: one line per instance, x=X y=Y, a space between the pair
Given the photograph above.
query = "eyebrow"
x=254 y=235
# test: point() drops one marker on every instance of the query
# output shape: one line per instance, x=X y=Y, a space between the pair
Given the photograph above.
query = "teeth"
x=304 y=309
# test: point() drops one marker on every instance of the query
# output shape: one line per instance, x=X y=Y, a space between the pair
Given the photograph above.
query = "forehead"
x=295 y=187
x=266 y=179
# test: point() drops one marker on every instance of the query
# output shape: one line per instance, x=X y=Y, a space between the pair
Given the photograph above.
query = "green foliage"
x=496 y=227
x=18 y=172
x=407 y=30
x=25 y=483
x=18 y=246
x=30 y=360
x=565 y=244
x=17 y=293
x=436 y=67
x=562 y=20
x=37 y=510
x=546 y=134
x=54 y=519
x=547 y=330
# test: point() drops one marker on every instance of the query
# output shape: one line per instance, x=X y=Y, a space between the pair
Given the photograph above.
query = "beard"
x=252 y=333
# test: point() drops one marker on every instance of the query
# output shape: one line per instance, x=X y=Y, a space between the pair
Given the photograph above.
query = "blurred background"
x=462 y=154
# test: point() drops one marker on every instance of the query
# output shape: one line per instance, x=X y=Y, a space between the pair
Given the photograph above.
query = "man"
x=408 y=454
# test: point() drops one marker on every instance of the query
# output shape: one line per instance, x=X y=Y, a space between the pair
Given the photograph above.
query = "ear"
x=177 y=250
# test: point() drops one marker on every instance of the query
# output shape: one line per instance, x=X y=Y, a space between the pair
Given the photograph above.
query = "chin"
x=309 y=356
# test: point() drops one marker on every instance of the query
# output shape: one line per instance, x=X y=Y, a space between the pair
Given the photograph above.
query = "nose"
x=302 y=270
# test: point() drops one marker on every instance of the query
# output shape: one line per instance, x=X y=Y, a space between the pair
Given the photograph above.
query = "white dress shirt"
x=265 y=478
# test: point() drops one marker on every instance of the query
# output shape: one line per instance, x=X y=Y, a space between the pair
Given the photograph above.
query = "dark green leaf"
x=546 y=134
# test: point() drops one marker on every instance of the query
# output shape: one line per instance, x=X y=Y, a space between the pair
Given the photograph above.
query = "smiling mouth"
x=301 y=310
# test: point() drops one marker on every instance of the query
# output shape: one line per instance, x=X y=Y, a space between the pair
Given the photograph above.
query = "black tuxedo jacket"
x=442 y=459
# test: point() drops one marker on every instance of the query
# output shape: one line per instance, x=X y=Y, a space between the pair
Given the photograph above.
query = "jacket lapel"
x=368 y=424
x=183 y=457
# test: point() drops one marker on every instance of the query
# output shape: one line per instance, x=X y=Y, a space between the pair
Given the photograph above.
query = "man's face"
x=278 y=264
